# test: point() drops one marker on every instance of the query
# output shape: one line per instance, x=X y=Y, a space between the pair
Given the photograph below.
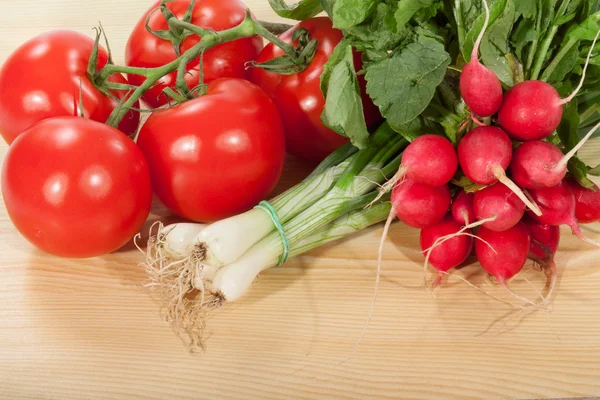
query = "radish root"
x=437 y=281
x=384 y=234
x=577 y=232
x=504 y=284
x=484 y=292
x=549 y=268
x=552 y=274
x=524 y=277
x=523 y=299
x=465 y=216
x=178 y=285
x=390 y=184
x=477 y=122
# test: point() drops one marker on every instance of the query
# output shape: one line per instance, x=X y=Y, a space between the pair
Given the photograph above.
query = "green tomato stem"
x=266 y=34
x=174 y=22
x=111 y=69
x=181 y=83
x=247 y=28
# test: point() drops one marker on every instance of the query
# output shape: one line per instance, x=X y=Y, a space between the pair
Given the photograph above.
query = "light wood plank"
x=85 y=329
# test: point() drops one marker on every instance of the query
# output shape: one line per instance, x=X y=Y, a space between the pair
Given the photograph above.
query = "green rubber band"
x=268 y=208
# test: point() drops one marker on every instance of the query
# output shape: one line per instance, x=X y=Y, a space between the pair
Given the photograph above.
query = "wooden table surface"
x=87 y=330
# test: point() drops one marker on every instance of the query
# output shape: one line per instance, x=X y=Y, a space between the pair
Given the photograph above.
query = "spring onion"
x=219 y=263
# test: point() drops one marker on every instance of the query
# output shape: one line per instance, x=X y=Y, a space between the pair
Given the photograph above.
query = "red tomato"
x=298 y=96
x=217 y=155
x=44 y=78
x=75 y=187
x=227 y=60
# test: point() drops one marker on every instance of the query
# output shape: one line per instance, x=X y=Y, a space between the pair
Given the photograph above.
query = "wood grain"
x=86 y=329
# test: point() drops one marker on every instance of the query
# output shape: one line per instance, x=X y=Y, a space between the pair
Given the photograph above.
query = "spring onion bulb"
x=179 y=238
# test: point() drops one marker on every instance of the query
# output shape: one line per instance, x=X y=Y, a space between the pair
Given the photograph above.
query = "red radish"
x=479 y=86
x=557 y=203
x=462 y=208
x=532 y=110
x=587 y=202
x=429 y=159
x=484 y=154
x=543 y=246
x=503 y=254
x=419 y=205
x=538 y=164
x=544 y=238
x=485 y=248
x=558 y=208
x=534 y=165
x=500 y=206
x=445 y=254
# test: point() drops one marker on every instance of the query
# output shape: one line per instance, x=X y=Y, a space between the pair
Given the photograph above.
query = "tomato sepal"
x=176 y=33
x=297 y=57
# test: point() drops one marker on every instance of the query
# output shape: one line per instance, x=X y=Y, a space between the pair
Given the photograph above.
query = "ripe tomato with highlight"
x=75 y=187
x=47 y=76
x=217 y=155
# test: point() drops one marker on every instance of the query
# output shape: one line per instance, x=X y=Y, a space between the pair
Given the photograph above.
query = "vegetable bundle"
x=462 y=118
x=464 y=199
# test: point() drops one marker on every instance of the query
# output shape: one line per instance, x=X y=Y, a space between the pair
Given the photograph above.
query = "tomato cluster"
x=227 y=60
x=75 y=186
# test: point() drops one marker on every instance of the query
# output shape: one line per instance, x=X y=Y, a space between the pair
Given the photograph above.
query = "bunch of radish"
x=524 y=193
